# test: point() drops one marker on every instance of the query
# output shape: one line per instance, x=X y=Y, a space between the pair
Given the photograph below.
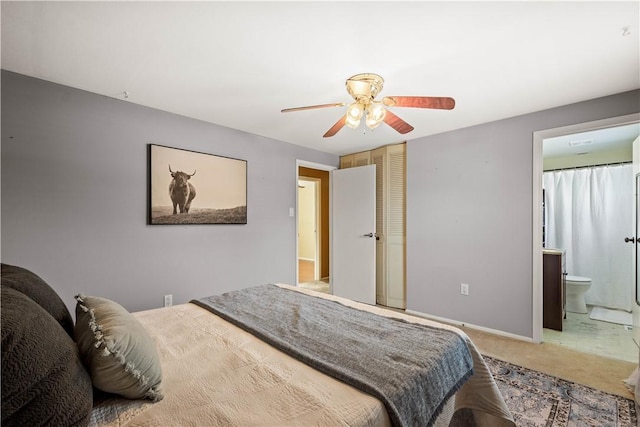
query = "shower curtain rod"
x=588 y=166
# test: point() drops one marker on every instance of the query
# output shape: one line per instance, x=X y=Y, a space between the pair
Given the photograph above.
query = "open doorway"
x=309 y=227
x=565 y=154
x=313 y=229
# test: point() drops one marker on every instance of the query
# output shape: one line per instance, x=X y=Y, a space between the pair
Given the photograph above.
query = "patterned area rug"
x=537 y=399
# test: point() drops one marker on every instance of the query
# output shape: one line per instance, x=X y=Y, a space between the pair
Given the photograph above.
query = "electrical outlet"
x=168 y=300
x=464 y=288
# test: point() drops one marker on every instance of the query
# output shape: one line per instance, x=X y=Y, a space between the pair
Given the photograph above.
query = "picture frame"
x=190 y=187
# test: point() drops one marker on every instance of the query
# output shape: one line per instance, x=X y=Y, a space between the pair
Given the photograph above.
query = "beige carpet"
x=599 y=372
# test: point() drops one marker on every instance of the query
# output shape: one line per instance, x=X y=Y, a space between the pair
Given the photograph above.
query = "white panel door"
x=353 y=243
x=636 y=231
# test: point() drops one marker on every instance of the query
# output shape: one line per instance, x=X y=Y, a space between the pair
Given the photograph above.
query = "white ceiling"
x=237 y=64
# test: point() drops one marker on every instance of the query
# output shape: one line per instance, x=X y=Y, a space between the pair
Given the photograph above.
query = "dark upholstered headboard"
x=43 y=379
x=39 y=291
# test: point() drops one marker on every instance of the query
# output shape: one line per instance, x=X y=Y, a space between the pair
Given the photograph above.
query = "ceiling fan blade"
x=313 y=107
x=336 y=127
x=441 y=103
x=397 y=123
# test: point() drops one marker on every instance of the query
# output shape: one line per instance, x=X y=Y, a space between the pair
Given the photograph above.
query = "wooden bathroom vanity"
x=553 y=288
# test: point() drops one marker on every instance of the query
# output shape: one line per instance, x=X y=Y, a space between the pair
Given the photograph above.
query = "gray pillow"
x=39 y=291
x=43 y=379
x=116 y=348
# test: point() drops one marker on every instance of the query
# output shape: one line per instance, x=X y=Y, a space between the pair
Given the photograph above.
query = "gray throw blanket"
x=412 y=368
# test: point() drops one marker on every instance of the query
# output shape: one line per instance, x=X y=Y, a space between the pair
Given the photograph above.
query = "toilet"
x=577 y=286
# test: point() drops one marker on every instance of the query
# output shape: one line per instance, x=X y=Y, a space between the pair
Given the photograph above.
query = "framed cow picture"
x=188 y=187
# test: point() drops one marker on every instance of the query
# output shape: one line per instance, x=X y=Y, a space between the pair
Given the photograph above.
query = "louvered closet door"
x=377 y=159
x=362 y=159
x=395 y=225
x=346 y=161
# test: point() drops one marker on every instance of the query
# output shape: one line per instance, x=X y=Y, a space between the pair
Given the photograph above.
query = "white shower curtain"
x=589 y=213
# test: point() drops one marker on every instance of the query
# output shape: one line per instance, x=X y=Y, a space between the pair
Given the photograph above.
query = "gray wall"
x=469 y=215
x=74 y=194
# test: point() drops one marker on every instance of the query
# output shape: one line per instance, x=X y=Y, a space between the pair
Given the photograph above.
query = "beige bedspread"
x=217 y=374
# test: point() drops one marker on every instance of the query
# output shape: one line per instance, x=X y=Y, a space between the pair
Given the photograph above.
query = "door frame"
x=537 y=171
x=323 y=167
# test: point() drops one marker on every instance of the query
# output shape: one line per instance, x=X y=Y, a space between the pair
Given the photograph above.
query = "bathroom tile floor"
x=593 y=336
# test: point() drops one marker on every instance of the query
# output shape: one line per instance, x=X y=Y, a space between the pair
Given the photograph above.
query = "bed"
x=212 y=368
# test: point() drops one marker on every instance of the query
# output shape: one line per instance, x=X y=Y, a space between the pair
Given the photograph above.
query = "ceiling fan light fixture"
x=352 y=123
x=364 y=88
x=375 y=115
x=354 y=114
x=366 y=85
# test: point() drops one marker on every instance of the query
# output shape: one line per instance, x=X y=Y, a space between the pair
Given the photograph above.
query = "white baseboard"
x=468 y=325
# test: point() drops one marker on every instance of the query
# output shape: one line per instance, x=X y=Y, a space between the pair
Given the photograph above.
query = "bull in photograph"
x=182 y=192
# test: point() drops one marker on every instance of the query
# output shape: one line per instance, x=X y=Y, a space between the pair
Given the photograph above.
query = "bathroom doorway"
x=589 y=154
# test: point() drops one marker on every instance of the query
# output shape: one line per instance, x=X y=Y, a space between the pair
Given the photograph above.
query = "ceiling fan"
x=364 y=88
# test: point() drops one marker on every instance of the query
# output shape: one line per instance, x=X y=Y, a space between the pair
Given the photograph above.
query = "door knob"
x=630 y=240
x=368 y=235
